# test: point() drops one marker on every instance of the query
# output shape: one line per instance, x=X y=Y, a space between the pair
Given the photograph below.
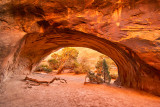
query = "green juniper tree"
x=106 y=72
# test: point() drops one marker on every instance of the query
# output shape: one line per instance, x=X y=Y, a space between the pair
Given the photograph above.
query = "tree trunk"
x=60 y=69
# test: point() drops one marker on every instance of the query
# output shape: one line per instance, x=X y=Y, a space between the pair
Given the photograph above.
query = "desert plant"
x=82 y=67
x=45 y=68
x=53 y=63
x=93 y=78
x=69 y=53
x=99 y=64
x=106 y=73
x=68 y=59
x=48 y=69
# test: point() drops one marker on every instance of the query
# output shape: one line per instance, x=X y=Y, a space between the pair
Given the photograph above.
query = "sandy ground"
x=14 y=93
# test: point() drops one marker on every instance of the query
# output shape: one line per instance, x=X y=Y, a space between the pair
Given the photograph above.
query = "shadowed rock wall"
x=126 y=30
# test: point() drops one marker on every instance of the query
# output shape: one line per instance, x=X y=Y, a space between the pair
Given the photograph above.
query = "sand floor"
x=15 y=93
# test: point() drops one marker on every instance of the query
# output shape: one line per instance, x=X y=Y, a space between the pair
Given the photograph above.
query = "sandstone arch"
x=133 y=72
x=31 y=30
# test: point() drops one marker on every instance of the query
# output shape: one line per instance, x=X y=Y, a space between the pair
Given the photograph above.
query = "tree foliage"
x=69 y=53
x=99 y=65
x=110 y=63
x=82 y=66
x=67 y=59
x=105 y=71
x=53 y=63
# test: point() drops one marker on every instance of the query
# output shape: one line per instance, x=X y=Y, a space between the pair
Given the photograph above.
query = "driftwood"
x=41 y=82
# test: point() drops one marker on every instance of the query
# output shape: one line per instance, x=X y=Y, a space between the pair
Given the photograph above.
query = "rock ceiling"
x=134 y=23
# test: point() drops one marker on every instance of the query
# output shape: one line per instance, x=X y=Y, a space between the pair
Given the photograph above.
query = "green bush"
x=107 y=77
x=45 y=68
x=99 y=64
x=53 y=63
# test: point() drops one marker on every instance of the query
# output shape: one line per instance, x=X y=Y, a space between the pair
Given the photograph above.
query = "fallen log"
x=47 y=82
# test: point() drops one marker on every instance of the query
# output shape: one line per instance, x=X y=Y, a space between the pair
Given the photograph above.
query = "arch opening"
x=133 y=72
x=78 y=60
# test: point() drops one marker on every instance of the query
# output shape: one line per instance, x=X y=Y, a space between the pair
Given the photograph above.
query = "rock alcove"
x=125 y=30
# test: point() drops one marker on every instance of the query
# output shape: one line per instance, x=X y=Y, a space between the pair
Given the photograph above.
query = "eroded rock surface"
x=128 y=31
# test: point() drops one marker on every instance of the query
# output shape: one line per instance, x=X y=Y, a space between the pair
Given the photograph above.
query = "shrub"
x=81 y=70
x=82 y=67
x=99 y=64
x=45 y=68
x=53 y=63
x=48 y=69
x=107 y=76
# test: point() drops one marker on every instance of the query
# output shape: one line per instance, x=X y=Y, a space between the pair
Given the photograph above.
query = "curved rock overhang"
x=125 y=30
x=133 y=72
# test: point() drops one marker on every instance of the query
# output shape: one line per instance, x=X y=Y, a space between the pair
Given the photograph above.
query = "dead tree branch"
x=47 y=82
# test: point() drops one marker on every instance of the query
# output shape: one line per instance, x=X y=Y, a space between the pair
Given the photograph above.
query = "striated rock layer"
x=128 y=31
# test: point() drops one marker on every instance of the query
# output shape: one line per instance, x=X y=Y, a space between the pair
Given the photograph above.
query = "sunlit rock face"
x=128 y=31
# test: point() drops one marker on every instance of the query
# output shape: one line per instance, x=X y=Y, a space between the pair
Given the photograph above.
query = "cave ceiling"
x=133 y=23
